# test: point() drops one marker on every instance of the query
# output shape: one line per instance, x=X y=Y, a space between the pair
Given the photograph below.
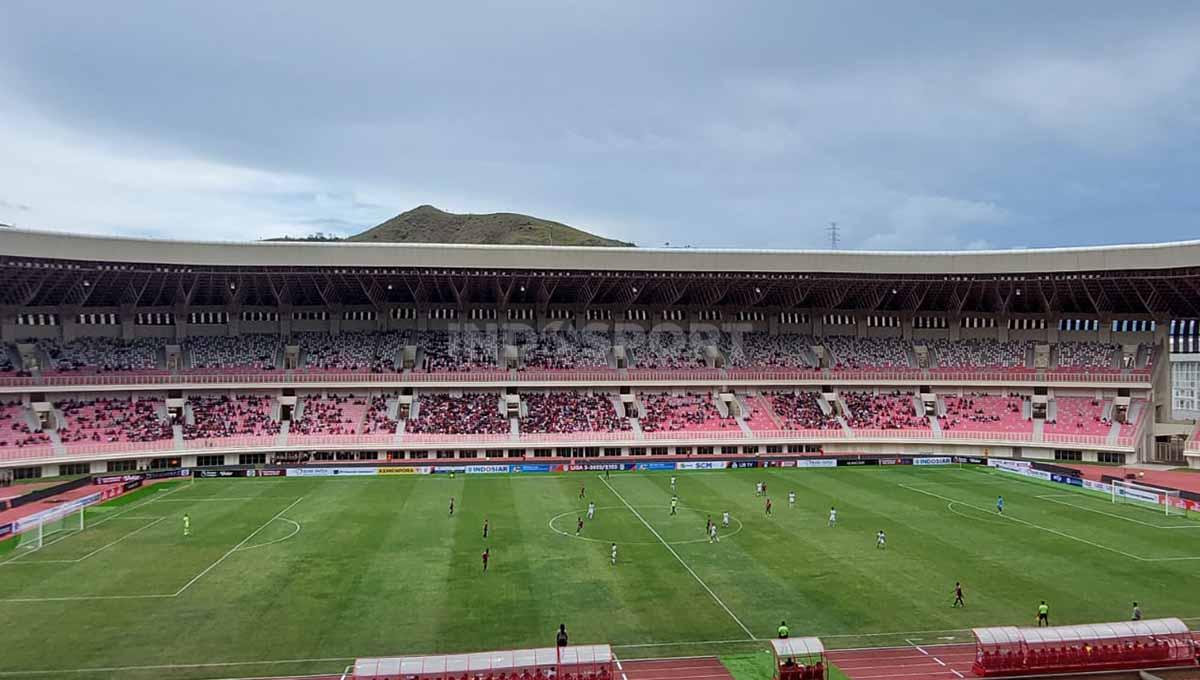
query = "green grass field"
x=297 y=576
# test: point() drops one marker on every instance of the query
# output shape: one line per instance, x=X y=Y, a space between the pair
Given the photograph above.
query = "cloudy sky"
x=913 y=125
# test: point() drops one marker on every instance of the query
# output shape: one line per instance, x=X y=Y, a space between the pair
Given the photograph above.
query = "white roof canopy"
x=802 y=646
x=581 y=655
x=1092 y=632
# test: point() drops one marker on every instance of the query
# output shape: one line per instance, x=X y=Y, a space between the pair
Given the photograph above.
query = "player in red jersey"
x=487 y=553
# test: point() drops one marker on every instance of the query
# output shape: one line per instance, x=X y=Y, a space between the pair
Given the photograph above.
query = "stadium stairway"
x=636 y=424
x=845 y=426
x=826 y=407
x=935 y=426
x=1114 y=431
x=31 y=420
x=616 y=404
x=56 y=443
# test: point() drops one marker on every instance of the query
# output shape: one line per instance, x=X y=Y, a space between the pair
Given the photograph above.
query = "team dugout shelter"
x=577 y=662
x=1153 y=643
x=800 y=658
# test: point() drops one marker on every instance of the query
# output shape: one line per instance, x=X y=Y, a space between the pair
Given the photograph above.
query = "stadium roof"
x=55 y=269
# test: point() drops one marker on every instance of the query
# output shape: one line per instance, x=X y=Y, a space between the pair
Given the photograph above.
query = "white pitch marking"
x=105 y=519
x=234 y=549
x=680 y=559
x=277 y=540
x=1027 y=523
x=1050 y=498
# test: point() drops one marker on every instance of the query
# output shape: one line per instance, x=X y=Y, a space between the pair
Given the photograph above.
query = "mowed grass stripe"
x=378 y=568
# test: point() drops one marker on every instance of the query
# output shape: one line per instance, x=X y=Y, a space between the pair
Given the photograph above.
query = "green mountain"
x=427 y=224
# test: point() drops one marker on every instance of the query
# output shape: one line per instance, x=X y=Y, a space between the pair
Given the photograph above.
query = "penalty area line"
x=235 y=548
x=177 y=593
x=1029 y=524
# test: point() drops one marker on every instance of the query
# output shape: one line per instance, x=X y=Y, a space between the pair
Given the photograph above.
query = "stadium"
x=288 y=459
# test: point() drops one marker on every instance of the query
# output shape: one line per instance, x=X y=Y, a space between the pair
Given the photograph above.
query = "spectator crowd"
x=470 y=413
x=570 y=412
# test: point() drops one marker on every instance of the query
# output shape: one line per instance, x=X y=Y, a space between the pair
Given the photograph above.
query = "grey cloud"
x=944 y=124
x=14 y=206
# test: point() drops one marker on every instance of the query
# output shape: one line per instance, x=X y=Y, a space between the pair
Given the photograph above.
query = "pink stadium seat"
x=682 y=413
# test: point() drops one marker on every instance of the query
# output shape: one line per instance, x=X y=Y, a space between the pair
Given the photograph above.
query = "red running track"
x=694 y=668
x=697 y=668
x=932 y=662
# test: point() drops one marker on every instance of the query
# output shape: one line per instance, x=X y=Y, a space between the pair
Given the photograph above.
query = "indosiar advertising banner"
x=933 y=460
x=701 y=465
x=655 y=466
x=488 y=469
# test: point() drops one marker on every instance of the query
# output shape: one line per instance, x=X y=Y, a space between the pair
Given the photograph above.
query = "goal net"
x=1151 y=497
x=49 y=528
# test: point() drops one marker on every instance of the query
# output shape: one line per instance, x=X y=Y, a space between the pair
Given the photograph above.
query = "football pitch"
x=299 y=576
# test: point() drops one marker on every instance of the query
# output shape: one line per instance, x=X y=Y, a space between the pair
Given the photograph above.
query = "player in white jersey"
x=832 y=517
x=758 y=488
x=880 y=540
x=614 y=554
x=672 y=485
x=791 y=499
x=591 y=510
x=725 y=519
x=712 y=534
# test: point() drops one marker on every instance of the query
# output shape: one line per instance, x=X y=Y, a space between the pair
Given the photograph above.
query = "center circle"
x=612 y=522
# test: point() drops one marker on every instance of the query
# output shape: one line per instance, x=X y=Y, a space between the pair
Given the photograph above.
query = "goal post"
x=50 y=528
x=1131 y=493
